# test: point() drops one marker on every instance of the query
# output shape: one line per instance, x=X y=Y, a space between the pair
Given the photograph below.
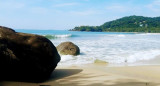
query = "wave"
x=148 y=34
x=58 y=36
x=118 y=35
x=121 y=35
x=142 y=56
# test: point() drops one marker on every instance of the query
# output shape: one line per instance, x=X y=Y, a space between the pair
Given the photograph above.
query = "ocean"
x=115 y=48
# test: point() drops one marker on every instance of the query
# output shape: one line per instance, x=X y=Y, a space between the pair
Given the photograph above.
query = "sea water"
x=111 y=47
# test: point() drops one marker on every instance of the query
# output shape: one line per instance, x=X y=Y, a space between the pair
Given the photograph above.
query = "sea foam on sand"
x=114 y=49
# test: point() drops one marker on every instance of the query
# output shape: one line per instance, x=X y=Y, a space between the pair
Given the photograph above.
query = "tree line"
x=126 y=24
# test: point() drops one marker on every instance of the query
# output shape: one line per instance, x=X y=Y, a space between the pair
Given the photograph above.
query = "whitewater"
x=111 y=47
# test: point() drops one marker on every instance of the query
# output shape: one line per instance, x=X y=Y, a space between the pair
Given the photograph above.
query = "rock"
x=26 y=57
x=100 y=61
x=68 y=48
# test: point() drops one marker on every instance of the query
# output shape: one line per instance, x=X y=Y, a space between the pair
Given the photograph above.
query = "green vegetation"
x=126 y=24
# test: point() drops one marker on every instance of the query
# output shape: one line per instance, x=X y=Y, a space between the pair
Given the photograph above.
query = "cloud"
x=11 y=5
x=66 y=4
x=86 y=0
x=84 y=13
x=154 y=6
x=117 y=8
x=124 y=8
x=39 y=10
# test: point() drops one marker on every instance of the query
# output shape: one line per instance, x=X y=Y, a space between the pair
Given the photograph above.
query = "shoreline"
x=116 y=32
x=98 y=75
x=150 y=62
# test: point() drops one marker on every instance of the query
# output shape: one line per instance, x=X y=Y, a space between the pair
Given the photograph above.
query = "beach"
x=106 y=59
x=98 y=75
x=111 y=47
x=80 y=43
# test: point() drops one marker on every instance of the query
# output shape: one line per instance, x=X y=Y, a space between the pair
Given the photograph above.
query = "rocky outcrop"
x=26 y=57
x=68 y=48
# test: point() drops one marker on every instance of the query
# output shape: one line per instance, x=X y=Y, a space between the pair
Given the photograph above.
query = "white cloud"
x=39 y=10
x=66 y=4
x=117 y=8
x=154 y=6
x=86 y=0
x=11 y=5
x=84 y=13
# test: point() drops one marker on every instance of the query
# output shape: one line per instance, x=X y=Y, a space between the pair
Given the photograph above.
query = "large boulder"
x=26 y=57
x=68 y=48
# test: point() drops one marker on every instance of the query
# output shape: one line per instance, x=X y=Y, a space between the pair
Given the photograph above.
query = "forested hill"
x=126 y=24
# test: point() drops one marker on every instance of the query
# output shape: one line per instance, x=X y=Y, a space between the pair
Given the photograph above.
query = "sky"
x=66 y=14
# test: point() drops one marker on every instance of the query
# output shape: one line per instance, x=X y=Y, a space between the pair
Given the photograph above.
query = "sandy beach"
x=98 y=75
x=80 y=43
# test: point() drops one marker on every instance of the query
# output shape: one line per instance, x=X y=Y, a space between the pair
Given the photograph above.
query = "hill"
x=126 y=24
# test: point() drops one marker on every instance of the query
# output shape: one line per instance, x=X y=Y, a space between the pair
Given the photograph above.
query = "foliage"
x=126 y=24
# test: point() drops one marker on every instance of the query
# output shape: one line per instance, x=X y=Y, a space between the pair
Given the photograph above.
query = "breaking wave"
x=58 y=36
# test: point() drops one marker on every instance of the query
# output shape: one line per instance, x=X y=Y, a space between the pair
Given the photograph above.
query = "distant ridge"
x=126 y=24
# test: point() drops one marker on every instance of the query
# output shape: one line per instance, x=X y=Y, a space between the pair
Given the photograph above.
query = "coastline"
x=117 y=32
x=98 y=75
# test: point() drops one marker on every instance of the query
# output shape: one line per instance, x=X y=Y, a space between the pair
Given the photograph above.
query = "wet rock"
x=68 y=48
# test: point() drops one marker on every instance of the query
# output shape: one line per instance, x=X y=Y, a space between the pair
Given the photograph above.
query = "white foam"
x=63 y=36
x=148 y=34
x=121 y=35
x=70 y=60
x=113 y=49
x=58 y=36
x=134 y=57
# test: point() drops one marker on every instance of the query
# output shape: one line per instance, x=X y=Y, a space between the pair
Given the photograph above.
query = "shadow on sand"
x=57 y=74
x=61 y=73
x=74 y=77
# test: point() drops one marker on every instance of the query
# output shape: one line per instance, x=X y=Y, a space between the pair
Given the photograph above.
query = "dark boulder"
x=68 y=48
x=26 y=57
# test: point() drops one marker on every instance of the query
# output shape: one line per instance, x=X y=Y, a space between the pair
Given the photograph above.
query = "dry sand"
x=98 y=75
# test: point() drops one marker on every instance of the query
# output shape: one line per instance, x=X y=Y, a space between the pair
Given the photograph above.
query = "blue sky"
x=66 y=14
